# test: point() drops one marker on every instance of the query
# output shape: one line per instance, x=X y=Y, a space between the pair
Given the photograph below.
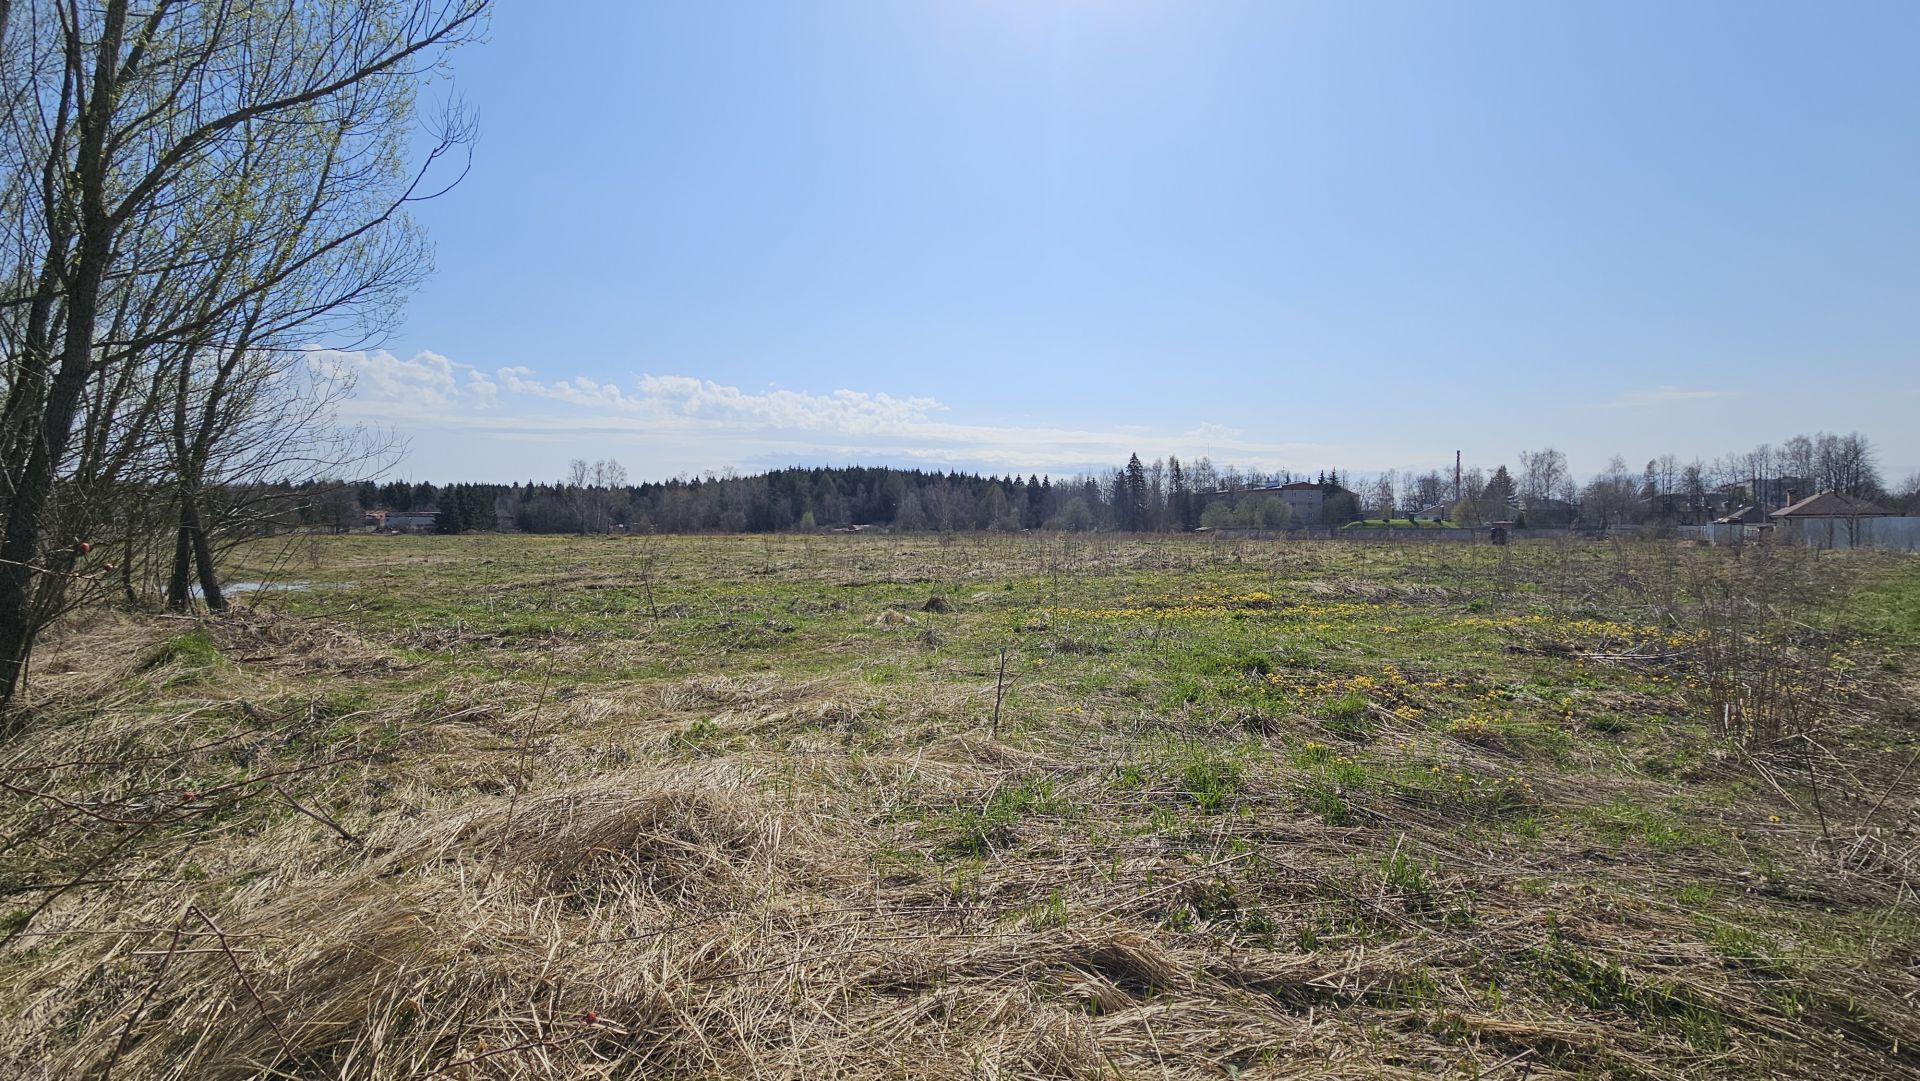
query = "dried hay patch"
x=672 y=840
x=257 y=636
x=985 y=752
x=709 y=691
x=83 y=659
x=1375 y=592
x=238 y=998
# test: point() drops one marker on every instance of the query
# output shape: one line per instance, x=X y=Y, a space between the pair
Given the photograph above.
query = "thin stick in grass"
x=999 y=692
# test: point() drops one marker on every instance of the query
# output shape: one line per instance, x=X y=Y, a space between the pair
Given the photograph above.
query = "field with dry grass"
x=976 y=807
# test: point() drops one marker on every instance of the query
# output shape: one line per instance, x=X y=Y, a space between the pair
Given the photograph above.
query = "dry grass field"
x=976 y=807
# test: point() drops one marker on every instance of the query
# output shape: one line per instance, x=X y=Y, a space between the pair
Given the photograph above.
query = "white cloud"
x=1662 y=395
x=849 y=412
x=426 y=381
x=463 y=420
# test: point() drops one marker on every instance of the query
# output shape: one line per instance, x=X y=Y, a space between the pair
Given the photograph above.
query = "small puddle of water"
x=231 y=588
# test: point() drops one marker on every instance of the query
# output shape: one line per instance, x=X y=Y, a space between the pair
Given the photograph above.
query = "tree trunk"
x=192 y=561
x=83 y=281
x=126 y=572
x=177 y=581
x=24 y=514
x=203 y=561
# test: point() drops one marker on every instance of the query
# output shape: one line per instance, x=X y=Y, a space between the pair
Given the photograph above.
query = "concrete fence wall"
x=1445 y=535
x=1887 y=534
x=1438 y=536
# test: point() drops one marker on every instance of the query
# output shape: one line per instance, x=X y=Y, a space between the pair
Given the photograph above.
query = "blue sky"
x=1034 y=236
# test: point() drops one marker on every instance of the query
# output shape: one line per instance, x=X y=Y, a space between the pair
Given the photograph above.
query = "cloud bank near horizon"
x=464 y=422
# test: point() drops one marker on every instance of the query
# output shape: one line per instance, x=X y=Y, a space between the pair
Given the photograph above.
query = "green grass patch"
x=194 y=649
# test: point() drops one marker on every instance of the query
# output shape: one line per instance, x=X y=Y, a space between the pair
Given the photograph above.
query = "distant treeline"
x=1162 y=496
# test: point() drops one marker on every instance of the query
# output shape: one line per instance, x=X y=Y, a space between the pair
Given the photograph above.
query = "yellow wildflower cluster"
x=1468 y=727
x=1304 y=685
x=1510 y=787
x=1478 y=725
x=1390 y=688
x=1588 y=628
x=1314 y=754
x=1501 y=623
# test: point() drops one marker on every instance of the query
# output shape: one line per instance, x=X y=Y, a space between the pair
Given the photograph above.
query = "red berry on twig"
x=590 y=1017
x=83 y=548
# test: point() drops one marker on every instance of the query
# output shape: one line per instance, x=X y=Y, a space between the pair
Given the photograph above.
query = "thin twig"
x=286 y=1045
x=999 y=691
x=318 y=817
x=1915 y=756
x=133 y=1019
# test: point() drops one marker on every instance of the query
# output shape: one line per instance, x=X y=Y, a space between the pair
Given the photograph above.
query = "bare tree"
x=1382 y=494
x=1662 y=475
x=1470 y=509
x=1610 y=497
x=1693 y=484
x=123 y=135
x=1797 y=458
x=1907 y=499
x=1430 y=488
x=590 y=489
x=1544 y=476
x=1845 y=464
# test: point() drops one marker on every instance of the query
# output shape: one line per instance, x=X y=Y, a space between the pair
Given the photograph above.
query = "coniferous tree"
x=1178 y=500
x=1134 y=515
x=1496 y=500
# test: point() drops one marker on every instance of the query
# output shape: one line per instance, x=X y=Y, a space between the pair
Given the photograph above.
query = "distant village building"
x=1767 y=493
x=1305 y=500
x=1824 y=517
x=1778 y=491
x=1309 y=504
x=1744 y=525
x=402 y=521
x=1549 y=513
x=1313 y=505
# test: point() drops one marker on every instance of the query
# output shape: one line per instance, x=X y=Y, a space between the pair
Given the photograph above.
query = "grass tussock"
x=629 y=832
